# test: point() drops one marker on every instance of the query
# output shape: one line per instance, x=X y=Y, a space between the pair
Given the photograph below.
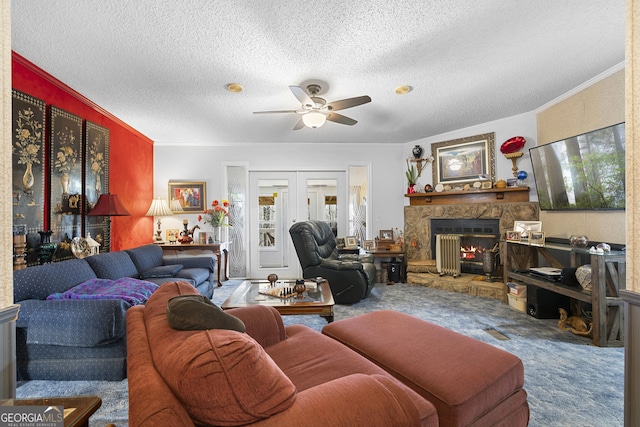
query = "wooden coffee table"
x=317 y=299
x=77 y=410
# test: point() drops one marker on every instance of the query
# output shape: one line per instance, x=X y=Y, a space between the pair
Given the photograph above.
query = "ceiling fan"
x=315 y=111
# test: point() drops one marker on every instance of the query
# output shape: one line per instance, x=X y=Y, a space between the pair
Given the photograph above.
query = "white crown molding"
x=583 y=86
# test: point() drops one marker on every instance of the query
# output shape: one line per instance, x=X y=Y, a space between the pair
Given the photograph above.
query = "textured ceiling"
x=162 y=66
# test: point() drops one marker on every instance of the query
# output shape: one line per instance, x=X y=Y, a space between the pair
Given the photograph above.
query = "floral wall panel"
x=96 y=177
x=28 y=146
x=65 y=218
x=134 y=185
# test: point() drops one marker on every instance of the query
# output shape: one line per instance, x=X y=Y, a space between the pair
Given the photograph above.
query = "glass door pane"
x=272 y=213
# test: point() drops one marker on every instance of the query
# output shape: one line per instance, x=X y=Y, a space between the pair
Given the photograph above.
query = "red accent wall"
x=130 y=152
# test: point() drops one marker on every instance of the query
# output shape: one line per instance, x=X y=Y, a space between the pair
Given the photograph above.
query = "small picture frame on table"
x=172 y=235
x=369 y=245
x=340 y=242
x=386 y=234
x=526 y=227
x=351 y=242
x=513 y=236
x=536 y=238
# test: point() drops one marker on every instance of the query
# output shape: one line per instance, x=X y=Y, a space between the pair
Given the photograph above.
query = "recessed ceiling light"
x=234 y=87
x=401 y=90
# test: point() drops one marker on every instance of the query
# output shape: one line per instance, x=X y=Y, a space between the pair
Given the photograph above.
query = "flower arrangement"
x=216 y=215
x=96 y=160
x=66 y=157
x=28 y=134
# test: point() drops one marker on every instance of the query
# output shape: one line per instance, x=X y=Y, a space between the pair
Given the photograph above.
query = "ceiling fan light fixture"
x=235 y=87
x=314 y=119
x=403 y=90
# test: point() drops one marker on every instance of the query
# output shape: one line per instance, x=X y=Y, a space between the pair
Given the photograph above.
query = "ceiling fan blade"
x=302 y=96
x=348 y=103
x=275 y=112
x=339 y=118
x=299 y=125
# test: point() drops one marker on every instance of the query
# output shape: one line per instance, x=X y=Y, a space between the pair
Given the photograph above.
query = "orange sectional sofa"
x=271 y=375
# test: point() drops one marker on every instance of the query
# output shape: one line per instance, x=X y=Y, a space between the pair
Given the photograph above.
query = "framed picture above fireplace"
x=464 y=160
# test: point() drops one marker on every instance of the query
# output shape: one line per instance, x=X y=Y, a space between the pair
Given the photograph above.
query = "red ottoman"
x=470 y=383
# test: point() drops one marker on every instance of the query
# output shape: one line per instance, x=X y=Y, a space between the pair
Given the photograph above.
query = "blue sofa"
x=84 y=339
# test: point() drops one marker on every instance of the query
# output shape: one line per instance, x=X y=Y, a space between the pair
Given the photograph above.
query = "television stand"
x=608 y=277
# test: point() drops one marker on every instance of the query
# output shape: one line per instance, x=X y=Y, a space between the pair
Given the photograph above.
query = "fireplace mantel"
x=493 y=195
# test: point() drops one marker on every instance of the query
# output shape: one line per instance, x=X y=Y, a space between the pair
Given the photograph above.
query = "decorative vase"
x=65 y=180
x=488 y=263
x=217 y=234
x=411 y=189
x=98 y=185
x=579 y=241
x=28 y=179
x=417 y=152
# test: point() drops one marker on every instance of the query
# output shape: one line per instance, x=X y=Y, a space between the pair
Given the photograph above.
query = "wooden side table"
x=392 y=256
x=218 y=249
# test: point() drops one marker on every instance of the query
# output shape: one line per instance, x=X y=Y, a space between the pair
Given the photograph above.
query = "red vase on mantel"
x=411 y=189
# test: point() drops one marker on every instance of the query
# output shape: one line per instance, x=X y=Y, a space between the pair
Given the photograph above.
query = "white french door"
x=277 y=199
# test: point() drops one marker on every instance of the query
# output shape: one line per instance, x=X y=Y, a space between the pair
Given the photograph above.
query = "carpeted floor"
x=569 y=381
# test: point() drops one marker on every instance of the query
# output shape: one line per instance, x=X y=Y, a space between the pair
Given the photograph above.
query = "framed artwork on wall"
x=192 y=196
x=28 y=147
x=464 y=160
x=65 y=219
x=96 y=142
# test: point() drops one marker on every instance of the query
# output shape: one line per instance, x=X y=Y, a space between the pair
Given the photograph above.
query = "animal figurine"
x=185 y=235
x=575 y=324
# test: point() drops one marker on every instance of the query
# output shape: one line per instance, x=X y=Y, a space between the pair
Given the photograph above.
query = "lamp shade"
x=109 y=205
x=314 y=119
x=176 y=206
x=159 y=207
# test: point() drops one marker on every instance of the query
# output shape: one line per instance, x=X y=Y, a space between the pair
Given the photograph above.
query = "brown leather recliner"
x=351 y=277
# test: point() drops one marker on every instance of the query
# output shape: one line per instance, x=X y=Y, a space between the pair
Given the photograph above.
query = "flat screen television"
x=583 y=172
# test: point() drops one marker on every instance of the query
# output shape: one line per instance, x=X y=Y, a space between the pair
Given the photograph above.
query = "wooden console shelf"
x=608 y=277
x=493 y=195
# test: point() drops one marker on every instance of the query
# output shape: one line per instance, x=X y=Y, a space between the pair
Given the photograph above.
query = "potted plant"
x=412 y=175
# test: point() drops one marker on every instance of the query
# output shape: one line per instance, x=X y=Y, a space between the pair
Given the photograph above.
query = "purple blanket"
x=133 y=291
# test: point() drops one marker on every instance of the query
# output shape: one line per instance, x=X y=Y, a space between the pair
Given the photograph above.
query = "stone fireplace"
x=477 y=235
x=419 y=246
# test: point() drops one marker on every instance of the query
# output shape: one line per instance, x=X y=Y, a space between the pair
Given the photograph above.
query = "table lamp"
x=108 y=205
x=176 y=207
x=159 y=207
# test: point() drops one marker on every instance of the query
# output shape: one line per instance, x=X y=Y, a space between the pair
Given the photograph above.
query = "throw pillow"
x=196 y=312
x=161 y=271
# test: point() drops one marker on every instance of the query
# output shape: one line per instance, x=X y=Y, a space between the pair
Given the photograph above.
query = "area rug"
x=569 y=381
